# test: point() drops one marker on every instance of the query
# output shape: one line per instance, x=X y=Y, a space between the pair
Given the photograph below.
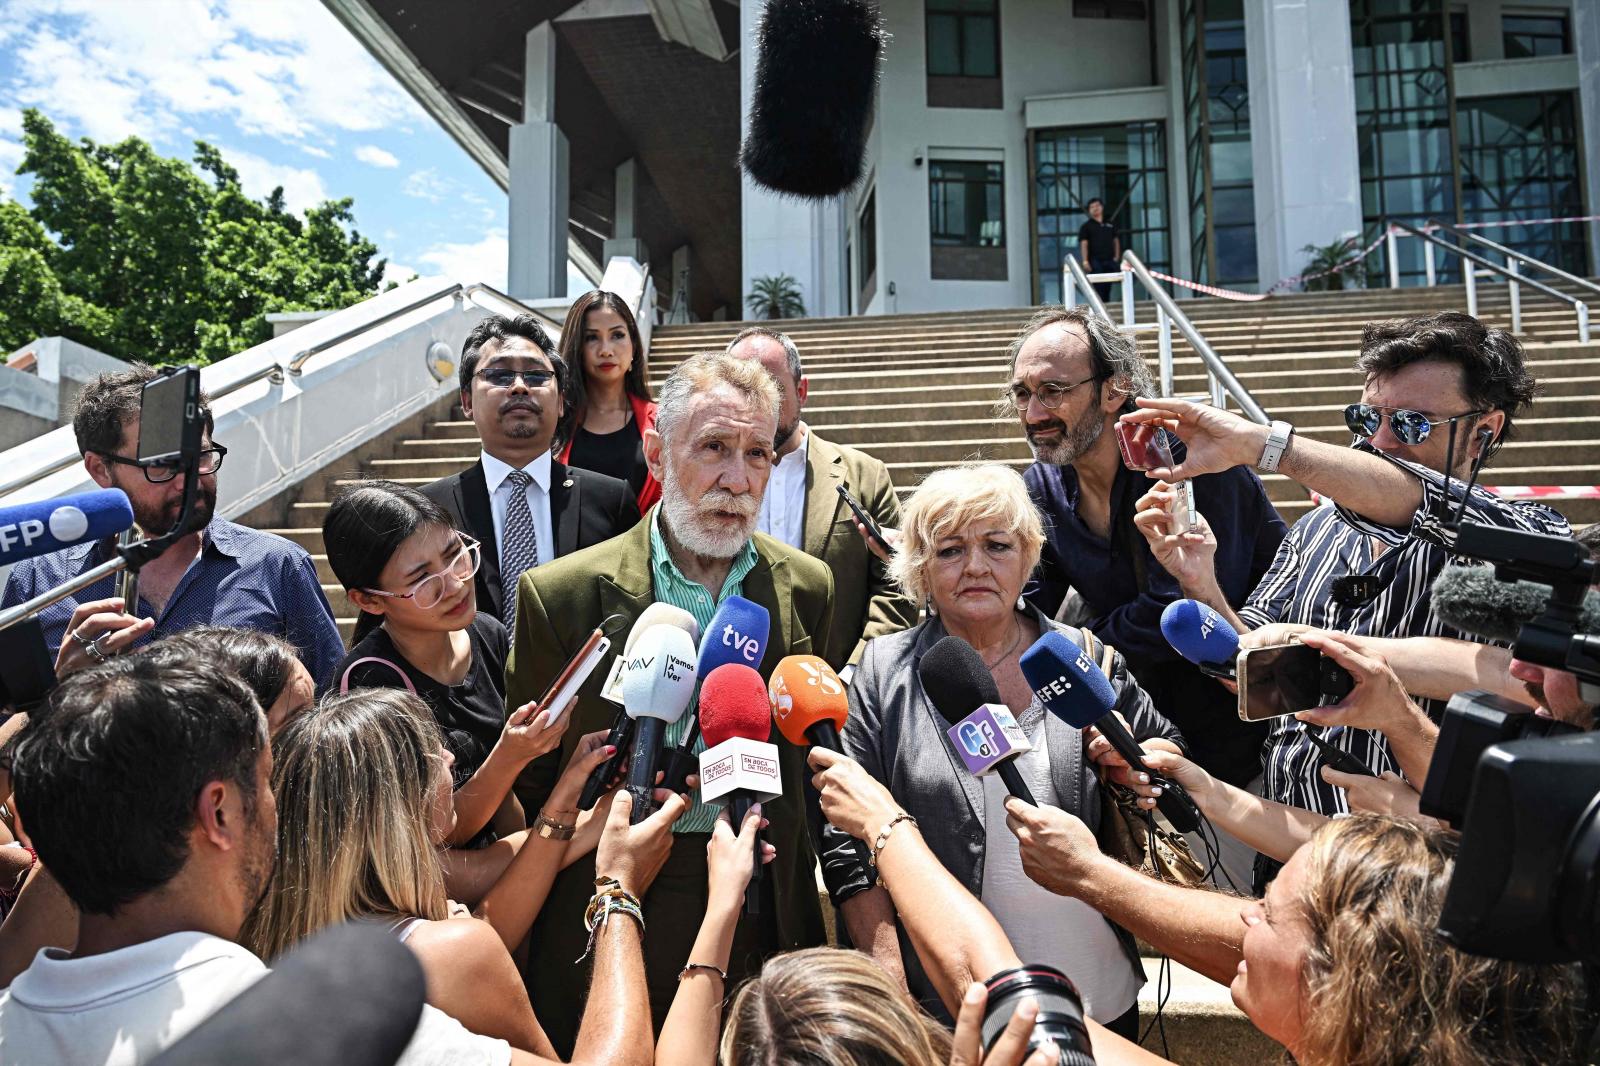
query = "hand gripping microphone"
x=1202 y=636
x=46 y=526
x=987 y=739
x=655 y=692
x=809 y=705
x=739 y=766
x=1073 y=688
x=621 y=734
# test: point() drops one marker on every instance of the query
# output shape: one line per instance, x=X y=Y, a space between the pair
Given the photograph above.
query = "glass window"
x=1217 y=150
x=1109 y=9
x=966 y=202
x=963 y=38
x=1125 y=166
x=867 y=237
x=1526 y=36
x=1460 y=38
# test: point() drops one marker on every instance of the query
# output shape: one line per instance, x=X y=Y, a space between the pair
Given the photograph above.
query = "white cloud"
x=11 y=149
x=372 y=155
x=427 y=185
x=320 y=153
x=258 y=176
x=483 y=260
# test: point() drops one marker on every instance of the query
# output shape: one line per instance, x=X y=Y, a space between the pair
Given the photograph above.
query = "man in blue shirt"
x=219 y=573
x=1072 y=375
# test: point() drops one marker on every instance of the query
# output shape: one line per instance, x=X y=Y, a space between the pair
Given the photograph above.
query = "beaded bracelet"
x=883 y=839
x=610 y=898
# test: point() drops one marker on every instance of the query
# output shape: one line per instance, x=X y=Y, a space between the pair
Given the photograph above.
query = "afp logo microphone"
x=46 y=526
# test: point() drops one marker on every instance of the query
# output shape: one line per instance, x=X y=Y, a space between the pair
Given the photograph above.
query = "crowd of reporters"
x=207 y=788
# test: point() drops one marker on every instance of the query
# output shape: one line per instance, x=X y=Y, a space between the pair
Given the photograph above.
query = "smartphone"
x=1281 y=679
x=1337 y=757
x=170 y=424
x=865 y=519
x=574 y=674
x=1144 y=446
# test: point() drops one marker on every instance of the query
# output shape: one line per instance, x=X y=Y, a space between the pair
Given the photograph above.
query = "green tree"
x=775 y=296
x=146 y=257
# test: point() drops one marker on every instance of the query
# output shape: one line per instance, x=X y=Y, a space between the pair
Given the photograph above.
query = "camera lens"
x=1060 y=1011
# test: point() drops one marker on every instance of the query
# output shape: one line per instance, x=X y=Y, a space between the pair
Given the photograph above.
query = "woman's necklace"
x=1007 y=653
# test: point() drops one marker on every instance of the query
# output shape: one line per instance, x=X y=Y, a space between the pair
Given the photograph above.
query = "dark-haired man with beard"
x=219 y=573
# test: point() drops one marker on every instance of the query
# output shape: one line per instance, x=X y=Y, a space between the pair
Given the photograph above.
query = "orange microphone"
x=808 y=702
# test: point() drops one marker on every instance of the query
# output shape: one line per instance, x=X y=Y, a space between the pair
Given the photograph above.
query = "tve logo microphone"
x=748 y=647
x=986 y=736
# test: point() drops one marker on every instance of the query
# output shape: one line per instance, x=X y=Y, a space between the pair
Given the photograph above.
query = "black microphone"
x=1473 y=600
x=963 y=692
x=816 y=79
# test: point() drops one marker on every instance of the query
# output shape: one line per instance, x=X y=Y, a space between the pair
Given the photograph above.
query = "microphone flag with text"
x=737 y=633
x=982 y=730
x=44 y=526
x=809 y=705
x=656 y=690
x=739 y=766
x=1074 y=688
x=621 y=734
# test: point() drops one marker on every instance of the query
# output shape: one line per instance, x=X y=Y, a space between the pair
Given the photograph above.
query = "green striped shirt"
x=672 y=587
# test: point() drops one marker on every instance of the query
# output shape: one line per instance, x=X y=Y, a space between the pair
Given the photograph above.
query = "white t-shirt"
x=125 y=1007
x=783 y=508
x=1044 y=927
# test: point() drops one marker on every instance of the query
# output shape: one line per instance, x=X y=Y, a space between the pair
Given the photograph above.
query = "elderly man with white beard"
x=712 y=451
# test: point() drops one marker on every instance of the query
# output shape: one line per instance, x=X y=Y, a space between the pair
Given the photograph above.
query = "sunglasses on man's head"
x=1410 y=427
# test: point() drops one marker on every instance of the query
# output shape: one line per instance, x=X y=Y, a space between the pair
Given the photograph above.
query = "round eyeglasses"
x=428 y=591
x=1050 y=395
x=1410 y=427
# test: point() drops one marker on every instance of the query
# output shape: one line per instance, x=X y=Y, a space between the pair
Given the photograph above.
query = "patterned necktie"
x=519 y=546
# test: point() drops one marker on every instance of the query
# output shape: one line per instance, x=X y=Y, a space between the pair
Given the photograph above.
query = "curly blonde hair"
x=949 y=501
x=1382 y=987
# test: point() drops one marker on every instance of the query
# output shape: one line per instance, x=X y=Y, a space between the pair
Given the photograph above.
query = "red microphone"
x=739 y=766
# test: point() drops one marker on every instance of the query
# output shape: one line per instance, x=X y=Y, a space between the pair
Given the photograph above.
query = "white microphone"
x=656 y=689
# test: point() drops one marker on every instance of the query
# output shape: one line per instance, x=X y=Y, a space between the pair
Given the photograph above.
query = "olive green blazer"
x=561 y=602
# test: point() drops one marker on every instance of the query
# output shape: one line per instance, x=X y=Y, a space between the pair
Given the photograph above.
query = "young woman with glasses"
x=411 y=574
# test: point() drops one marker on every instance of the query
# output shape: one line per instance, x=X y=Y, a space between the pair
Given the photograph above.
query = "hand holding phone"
x=861 y=515
x=1282 y=679
x=1144 y=446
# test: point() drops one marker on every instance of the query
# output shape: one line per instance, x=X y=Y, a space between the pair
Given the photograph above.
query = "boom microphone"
x=1202 y=636
x=621 y=734
x=808 y=702
x=816 y=77
x=1073 y=688
x=46 y=526
x=1473 y=600
x=656 y=690
x=982 y=729
x=739 y=767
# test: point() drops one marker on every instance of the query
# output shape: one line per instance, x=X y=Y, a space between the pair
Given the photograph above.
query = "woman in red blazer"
x=610 y=405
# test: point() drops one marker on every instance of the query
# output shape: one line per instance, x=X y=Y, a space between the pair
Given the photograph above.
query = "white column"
x=538 y=207
x=1586 y=42
x=1302 y=129
x=801 y=238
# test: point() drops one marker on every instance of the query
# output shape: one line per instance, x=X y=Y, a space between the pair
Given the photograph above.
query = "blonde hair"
x=953 y=499
x=703 y=372
x=352 y=779
x=1382 y=987
x=833 y=1006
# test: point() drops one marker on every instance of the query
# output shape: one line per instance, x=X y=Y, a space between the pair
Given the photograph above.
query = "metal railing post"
x=1164 y=346
x=1583 y=321
x=1219 y=395
x=1069 y=288
x=1127 y=297
x=1516 y=295
x=1470 y=272
x=1392 y=244
x=1427 y=263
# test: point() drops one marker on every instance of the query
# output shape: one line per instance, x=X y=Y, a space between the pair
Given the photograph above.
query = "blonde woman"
x=363 y=790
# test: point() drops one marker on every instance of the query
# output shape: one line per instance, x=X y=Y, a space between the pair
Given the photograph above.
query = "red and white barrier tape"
x=1524 y=492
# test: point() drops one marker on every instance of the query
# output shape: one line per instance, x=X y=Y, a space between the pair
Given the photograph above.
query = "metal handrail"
x=472 y=292
x=297 y=364
x=1470 y=277
x=1512 y=253
x=1222 y=380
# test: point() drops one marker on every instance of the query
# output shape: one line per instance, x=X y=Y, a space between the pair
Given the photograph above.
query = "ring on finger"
x=95 y=649
x=77 y=635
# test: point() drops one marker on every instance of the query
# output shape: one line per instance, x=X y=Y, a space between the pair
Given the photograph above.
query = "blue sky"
x=281 y=88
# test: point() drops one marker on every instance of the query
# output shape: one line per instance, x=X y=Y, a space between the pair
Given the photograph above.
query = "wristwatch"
x=551 y=829
x=1277 y=441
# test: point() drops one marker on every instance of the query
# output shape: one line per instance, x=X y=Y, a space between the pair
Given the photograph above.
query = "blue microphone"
x=1073 y=688
x=1202 y=636
x=737 y=633
x=46 y=526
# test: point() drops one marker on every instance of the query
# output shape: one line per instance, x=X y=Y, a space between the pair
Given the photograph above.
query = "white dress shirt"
x=783 y=508
x=538 y=491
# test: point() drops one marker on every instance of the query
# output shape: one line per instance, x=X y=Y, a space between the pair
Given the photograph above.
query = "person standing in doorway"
x=1099 y=246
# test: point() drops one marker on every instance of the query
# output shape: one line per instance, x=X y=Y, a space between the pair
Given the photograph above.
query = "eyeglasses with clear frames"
x=428 y=591
x=1050 y=394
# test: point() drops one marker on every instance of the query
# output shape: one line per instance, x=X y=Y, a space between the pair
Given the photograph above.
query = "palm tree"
x=775 y=297
x=1324 y=258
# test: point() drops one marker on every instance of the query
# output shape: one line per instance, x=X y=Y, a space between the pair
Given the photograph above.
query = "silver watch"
x=1277 y=441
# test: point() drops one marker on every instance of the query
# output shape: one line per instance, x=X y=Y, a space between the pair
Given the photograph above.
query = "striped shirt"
x=672 y=587
x=1333 y=542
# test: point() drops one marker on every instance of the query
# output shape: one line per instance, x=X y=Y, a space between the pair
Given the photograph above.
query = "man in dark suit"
x=522 y=506
x=711 y=449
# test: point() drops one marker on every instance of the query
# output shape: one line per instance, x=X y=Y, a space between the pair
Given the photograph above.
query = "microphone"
x=737 y=633
x=45 y=526
x=1473 y=600
x=1073 y=688
x=621 y=733
x=955 y=679
x=808 y=702
x=1202 y=636
x=816 y=78
x=739 y=767
x=656 y=690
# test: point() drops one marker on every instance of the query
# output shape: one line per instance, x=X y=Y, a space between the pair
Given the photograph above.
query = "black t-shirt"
x=620 y=454
x=1101 y=237
x=471 y=714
